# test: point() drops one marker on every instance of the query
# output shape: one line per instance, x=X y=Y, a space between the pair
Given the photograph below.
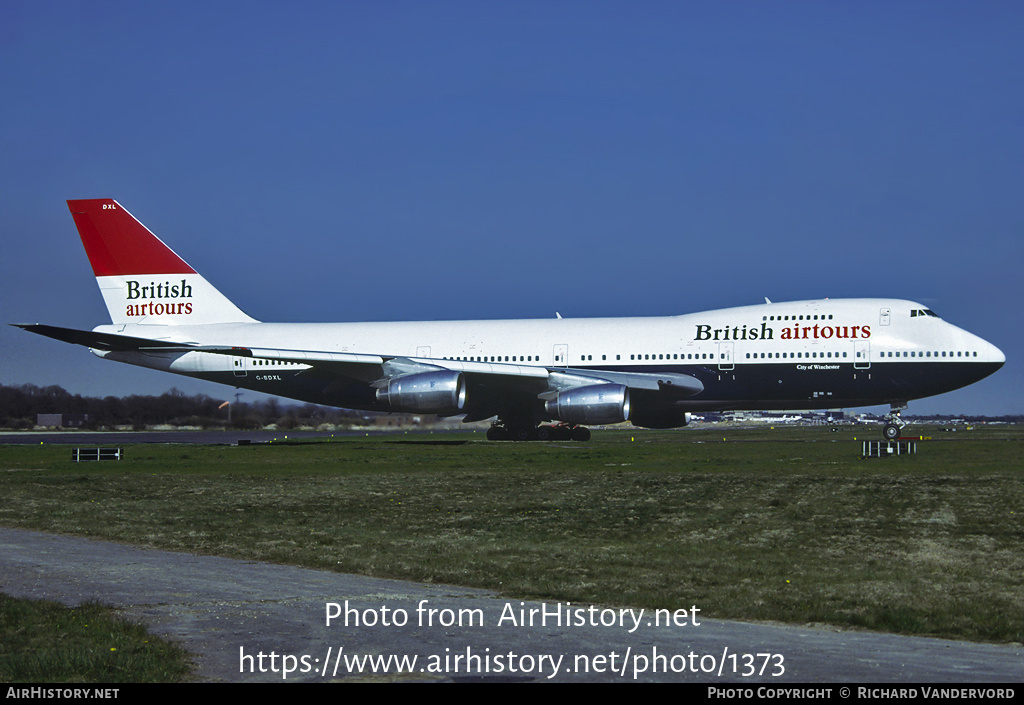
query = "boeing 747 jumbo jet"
x=652 y=372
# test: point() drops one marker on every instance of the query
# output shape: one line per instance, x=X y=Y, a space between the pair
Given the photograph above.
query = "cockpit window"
x=923 y=312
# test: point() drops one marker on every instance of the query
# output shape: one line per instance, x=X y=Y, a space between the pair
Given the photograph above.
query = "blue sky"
x=458 y=160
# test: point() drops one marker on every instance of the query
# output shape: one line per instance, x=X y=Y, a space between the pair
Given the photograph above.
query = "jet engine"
x=442 y=392
x=658 y=417
x=596 y=404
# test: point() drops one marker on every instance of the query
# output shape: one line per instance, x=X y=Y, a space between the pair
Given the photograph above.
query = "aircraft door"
x=423 y=351
x=560 y=356
x=725 y=352
x=861 y=354
x=238 y=366
x=883 y=317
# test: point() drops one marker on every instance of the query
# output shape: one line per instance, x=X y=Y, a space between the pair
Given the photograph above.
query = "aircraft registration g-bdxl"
x=652 y=372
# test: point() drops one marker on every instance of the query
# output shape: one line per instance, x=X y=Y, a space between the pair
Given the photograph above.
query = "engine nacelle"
x=442 y=392
x=597 y=404
x=659 y=417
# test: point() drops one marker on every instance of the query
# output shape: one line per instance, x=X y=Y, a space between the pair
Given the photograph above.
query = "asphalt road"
x=254 y=622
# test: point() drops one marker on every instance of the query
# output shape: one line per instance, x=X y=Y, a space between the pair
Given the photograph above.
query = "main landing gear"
x=555 y=432
x=893 y=423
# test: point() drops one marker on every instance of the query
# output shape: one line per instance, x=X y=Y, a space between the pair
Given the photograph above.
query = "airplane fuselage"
x=650 y=371
x=800 y=355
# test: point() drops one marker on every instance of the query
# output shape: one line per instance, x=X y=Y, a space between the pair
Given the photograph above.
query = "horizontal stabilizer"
x=111 y=341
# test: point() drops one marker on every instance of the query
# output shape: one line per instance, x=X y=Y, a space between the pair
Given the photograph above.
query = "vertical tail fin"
x=142 y=280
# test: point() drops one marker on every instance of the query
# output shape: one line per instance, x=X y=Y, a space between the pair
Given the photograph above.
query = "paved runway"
x=229 y=612
x=113 y=438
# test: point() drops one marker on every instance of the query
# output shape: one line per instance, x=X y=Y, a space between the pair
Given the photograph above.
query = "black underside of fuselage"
x=825 y=384
x=751 y=386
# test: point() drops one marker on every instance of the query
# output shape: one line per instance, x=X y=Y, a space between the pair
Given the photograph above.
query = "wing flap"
x=307 y=357
x=669 y=382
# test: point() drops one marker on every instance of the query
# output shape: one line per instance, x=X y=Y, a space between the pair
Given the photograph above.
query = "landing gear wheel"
x=581 y=434
x=521 y=434
x=557 y=432
x=893 y=423
x=497 y=433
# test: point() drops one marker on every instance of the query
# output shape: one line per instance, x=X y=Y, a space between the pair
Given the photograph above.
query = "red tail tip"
x=118 y=244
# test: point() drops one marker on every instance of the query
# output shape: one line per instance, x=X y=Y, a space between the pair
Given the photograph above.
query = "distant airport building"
x=61 y=420
x=806 y=417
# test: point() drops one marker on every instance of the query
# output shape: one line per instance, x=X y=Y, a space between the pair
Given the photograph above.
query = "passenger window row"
x=885 y=354
x=928 y=353
x=674 y=356
x=795 y=356
x=806 y=317
x=497 y=358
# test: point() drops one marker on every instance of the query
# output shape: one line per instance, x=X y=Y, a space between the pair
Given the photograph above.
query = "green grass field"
x=45 y=642
x=785 y=525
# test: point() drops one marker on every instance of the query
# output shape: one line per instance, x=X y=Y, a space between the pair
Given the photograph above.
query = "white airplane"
x=652 y=372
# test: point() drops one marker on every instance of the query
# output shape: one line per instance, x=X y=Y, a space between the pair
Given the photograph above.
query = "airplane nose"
x=997 y=355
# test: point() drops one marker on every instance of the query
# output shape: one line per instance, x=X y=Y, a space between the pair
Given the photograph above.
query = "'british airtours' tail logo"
x=138 y=294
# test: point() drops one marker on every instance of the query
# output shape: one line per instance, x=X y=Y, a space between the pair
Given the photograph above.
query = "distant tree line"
x=21 y=405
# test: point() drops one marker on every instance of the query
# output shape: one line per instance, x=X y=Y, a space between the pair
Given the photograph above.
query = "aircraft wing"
x=501 y=380
x=556 y=378
x=379 y=370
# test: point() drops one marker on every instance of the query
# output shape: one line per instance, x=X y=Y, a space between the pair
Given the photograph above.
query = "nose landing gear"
x=893 y=423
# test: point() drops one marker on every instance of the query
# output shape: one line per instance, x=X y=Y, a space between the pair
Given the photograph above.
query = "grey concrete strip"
x=248 y=622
